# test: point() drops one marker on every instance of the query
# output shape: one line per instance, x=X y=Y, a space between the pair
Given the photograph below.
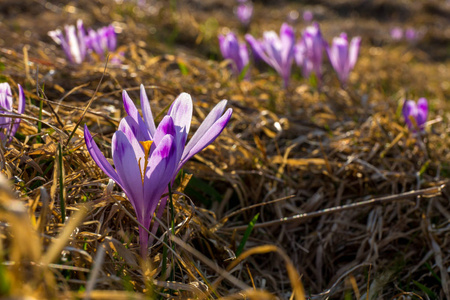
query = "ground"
x=307 y=160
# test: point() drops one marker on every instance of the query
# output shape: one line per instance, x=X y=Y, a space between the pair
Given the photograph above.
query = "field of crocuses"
x=224 y=149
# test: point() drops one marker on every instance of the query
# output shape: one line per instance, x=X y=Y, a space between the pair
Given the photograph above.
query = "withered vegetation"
x=306 y=159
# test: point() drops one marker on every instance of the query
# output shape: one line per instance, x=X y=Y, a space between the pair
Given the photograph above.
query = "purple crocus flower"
x=308 y=16
x=396 y=33
x=102 y=40
x=244 y=13
x=418 y=112
x=342 y=56
x=411 y=34
x=235 y=51
x=309 y=49
x=147 y=158
x=276 y=51
x=8 y=125
x=73 y=43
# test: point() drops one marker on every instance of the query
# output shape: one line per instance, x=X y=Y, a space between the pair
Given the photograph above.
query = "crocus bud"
x=235 y=51
x=342 y=56
x=415 y=113
x=309 y=49
x=244 y=13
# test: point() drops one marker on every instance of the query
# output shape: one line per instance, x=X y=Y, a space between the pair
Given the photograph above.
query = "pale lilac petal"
x=257 y=48
x=208 y=136
x=127 y=168
x=74 y=45
x=181 y=113
x=287 y=37
x=81 y=38
x=162 y=165
x=354 y=51
x=132 y=111
x=20 y=110
x=99 y=158
x=210 y=119
x=147 y=112
x=131 y=130
x=59 y=39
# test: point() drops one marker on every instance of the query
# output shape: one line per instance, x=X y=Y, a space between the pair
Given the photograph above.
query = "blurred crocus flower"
x=9 y=125
x=102 y=40
x=308 y=16
x=244 y=12
x=147 y=158
x=235 y=51
x=276 y=51
x=396 y=33
x=411 y=34
x=415 y=113
x=342 y=56
x=73 y=43
x=309 y=50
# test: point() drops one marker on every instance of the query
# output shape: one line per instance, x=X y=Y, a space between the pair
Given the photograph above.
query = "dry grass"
x=284 y=154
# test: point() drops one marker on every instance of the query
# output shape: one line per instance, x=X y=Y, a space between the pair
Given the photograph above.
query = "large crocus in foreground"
x=9 y=125
x=235 y=51
x=342 y=56
x=309 y=50
x=147 y=158
x=276 y=51
x=417 y=113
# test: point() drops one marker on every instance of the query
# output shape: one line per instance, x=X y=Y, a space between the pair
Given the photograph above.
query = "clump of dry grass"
x=306 y=160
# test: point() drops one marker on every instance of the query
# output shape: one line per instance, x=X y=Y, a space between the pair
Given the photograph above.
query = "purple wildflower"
x=276 y=51
x=235 y=51
x=102 y=40
x=309 y=49
x=342 y=56
x=308 y=16
x=417 y=112
x=396 y=33
x=147 y=158
x=244 y=13
x=73 y=43
x=9 y=125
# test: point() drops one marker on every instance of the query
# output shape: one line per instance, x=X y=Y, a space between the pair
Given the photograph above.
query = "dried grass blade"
x=58 y=244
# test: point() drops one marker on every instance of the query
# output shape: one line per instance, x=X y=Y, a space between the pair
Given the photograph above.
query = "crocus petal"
x=132 y=111
x=422 y=111
x=162 y=165
x=81 y=38
x=353 y=51
x=131 y=130
x=99 y=158
x=147 y=112
x=181 y=113
x=127 y=167
x=20 y=110
x=208 y=137
x=165 y=127
x=74 y=45
x=287 y=37
x=257 y=49
x=210 y=119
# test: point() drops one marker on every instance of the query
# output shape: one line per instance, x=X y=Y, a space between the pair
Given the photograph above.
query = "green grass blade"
x=247 y=233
